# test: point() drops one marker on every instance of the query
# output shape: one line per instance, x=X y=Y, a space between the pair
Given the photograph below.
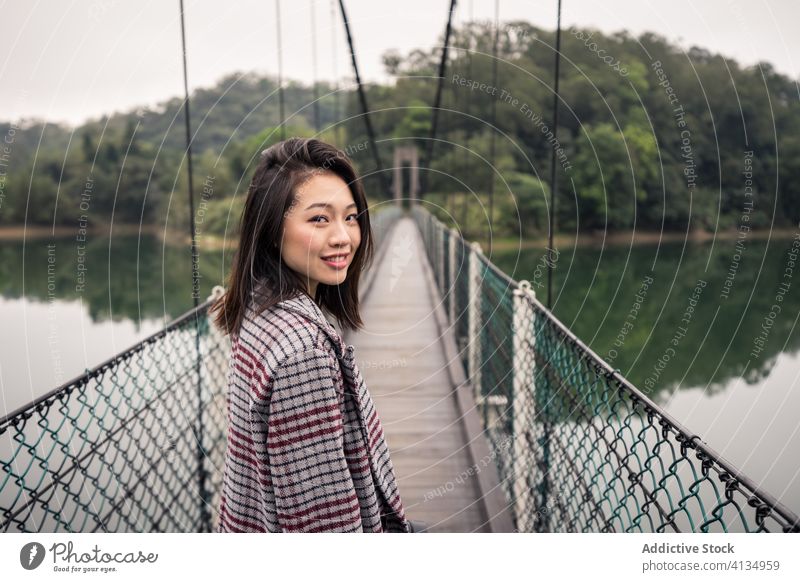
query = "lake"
x=65 y=308
x=691 y=324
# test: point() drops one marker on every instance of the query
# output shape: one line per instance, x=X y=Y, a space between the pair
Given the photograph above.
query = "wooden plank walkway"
x=402 y=359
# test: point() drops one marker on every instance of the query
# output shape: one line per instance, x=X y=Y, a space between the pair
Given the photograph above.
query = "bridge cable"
x=449 y=123
x=493 y=123
x=205 y=516
x=188 y=127
x=314 y=66
x=469 y=100
x=438 y=100
x=363 y=98
x=553 y=174
x=336 y=95
x=280 y=69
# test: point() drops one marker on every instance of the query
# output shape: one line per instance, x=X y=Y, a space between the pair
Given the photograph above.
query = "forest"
x=650 y=136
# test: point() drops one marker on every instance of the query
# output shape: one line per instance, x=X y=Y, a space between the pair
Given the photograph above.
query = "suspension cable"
x=469 y=100
x=438 y=100
x=553 y=174
x=205 y=516
x=363 y=97
x=336 y=97
x=314 y=66
x=192 y=233
x=493 y=136
x=280 y=69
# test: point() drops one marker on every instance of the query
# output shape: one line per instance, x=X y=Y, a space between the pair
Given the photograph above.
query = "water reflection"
x=68 y=305
x=122 y=277
x=679 y=331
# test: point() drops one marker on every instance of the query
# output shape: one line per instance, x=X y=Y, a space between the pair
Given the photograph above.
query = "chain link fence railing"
x=578 y=447
x=133 y=445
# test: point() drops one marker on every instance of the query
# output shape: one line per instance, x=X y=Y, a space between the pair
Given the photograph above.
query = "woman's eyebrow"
x=326 y=205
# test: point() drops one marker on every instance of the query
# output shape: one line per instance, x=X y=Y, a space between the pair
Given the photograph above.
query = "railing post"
x=523 y=404
x=440 y=255
x=473 y=337
x=452 y=264
x=435 y=250
x=432 y=243
x=428 y=219
x=215 y=337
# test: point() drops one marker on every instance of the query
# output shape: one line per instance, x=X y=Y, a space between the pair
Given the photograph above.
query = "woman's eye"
x=315 y=218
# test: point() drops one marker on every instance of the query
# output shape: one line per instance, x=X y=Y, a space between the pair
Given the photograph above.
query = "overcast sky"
x=69 y=60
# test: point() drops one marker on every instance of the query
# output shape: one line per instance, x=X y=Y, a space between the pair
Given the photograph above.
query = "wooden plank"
x=400 y=355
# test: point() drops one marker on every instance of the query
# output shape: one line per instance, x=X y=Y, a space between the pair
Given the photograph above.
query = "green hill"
x=650 y=136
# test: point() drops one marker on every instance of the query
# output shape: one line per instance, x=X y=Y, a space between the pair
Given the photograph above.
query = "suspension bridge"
x=498 y=417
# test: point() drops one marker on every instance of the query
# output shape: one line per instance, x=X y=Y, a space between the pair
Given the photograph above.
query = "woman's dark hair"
x=258 y=274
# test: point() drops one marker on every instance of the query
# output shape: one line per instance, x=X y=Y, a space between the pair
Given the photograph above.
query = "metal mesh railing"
x=133 y=445
x=578 y=447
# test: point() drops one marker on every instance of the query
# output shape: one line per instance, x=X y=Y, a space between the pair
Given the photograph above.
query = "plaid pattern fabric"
x=306 y=451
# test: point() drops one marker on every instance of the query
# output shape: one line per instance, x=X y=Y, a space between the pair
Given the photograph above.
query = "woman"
x=305 y=450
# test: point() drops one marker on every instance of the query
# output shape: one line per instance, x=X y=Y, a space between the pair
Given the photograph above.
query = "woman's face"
x=321 y=222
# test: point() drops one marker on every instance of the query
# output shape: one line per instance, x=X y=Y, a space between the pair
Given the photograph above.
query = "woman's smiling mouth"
x=336 y=261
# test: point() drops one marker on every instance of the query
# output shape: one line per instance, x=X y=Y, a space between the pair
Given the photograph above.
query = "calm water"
x=684 y=323
x=742 y=401
x=53 y=329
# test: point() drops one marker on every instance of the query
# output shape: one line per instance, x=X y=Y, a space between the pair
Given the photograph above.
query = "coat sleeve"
x=314 y=491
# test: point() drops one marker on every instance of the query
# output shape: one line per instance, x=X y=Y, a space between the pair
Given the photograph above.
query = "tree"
x=609 y=168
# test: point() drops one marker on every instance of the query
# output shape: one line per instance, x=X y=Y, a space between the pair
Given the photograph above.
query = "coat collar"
x=304 y=305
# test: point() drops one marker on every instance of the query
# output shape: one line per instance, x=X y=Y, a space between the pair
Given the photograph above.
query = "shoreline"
x=213 y=242
x=171 y=237
x=639 y=237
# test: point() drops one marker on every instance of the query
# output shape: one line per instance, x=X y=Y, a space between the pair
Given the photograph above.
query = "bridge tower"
x=406 y=155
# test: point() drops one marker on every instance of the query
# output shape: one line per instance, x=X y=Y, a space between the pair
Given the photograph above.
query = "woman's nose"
x=340 y=234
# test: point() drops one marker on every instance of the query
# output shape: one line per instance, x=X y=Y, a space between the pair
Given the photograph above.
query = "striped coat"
x=305 y=451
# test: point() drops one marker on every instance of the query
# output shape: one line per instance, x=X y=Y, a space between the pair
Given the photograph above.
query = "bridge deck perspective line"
x=401 y=357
